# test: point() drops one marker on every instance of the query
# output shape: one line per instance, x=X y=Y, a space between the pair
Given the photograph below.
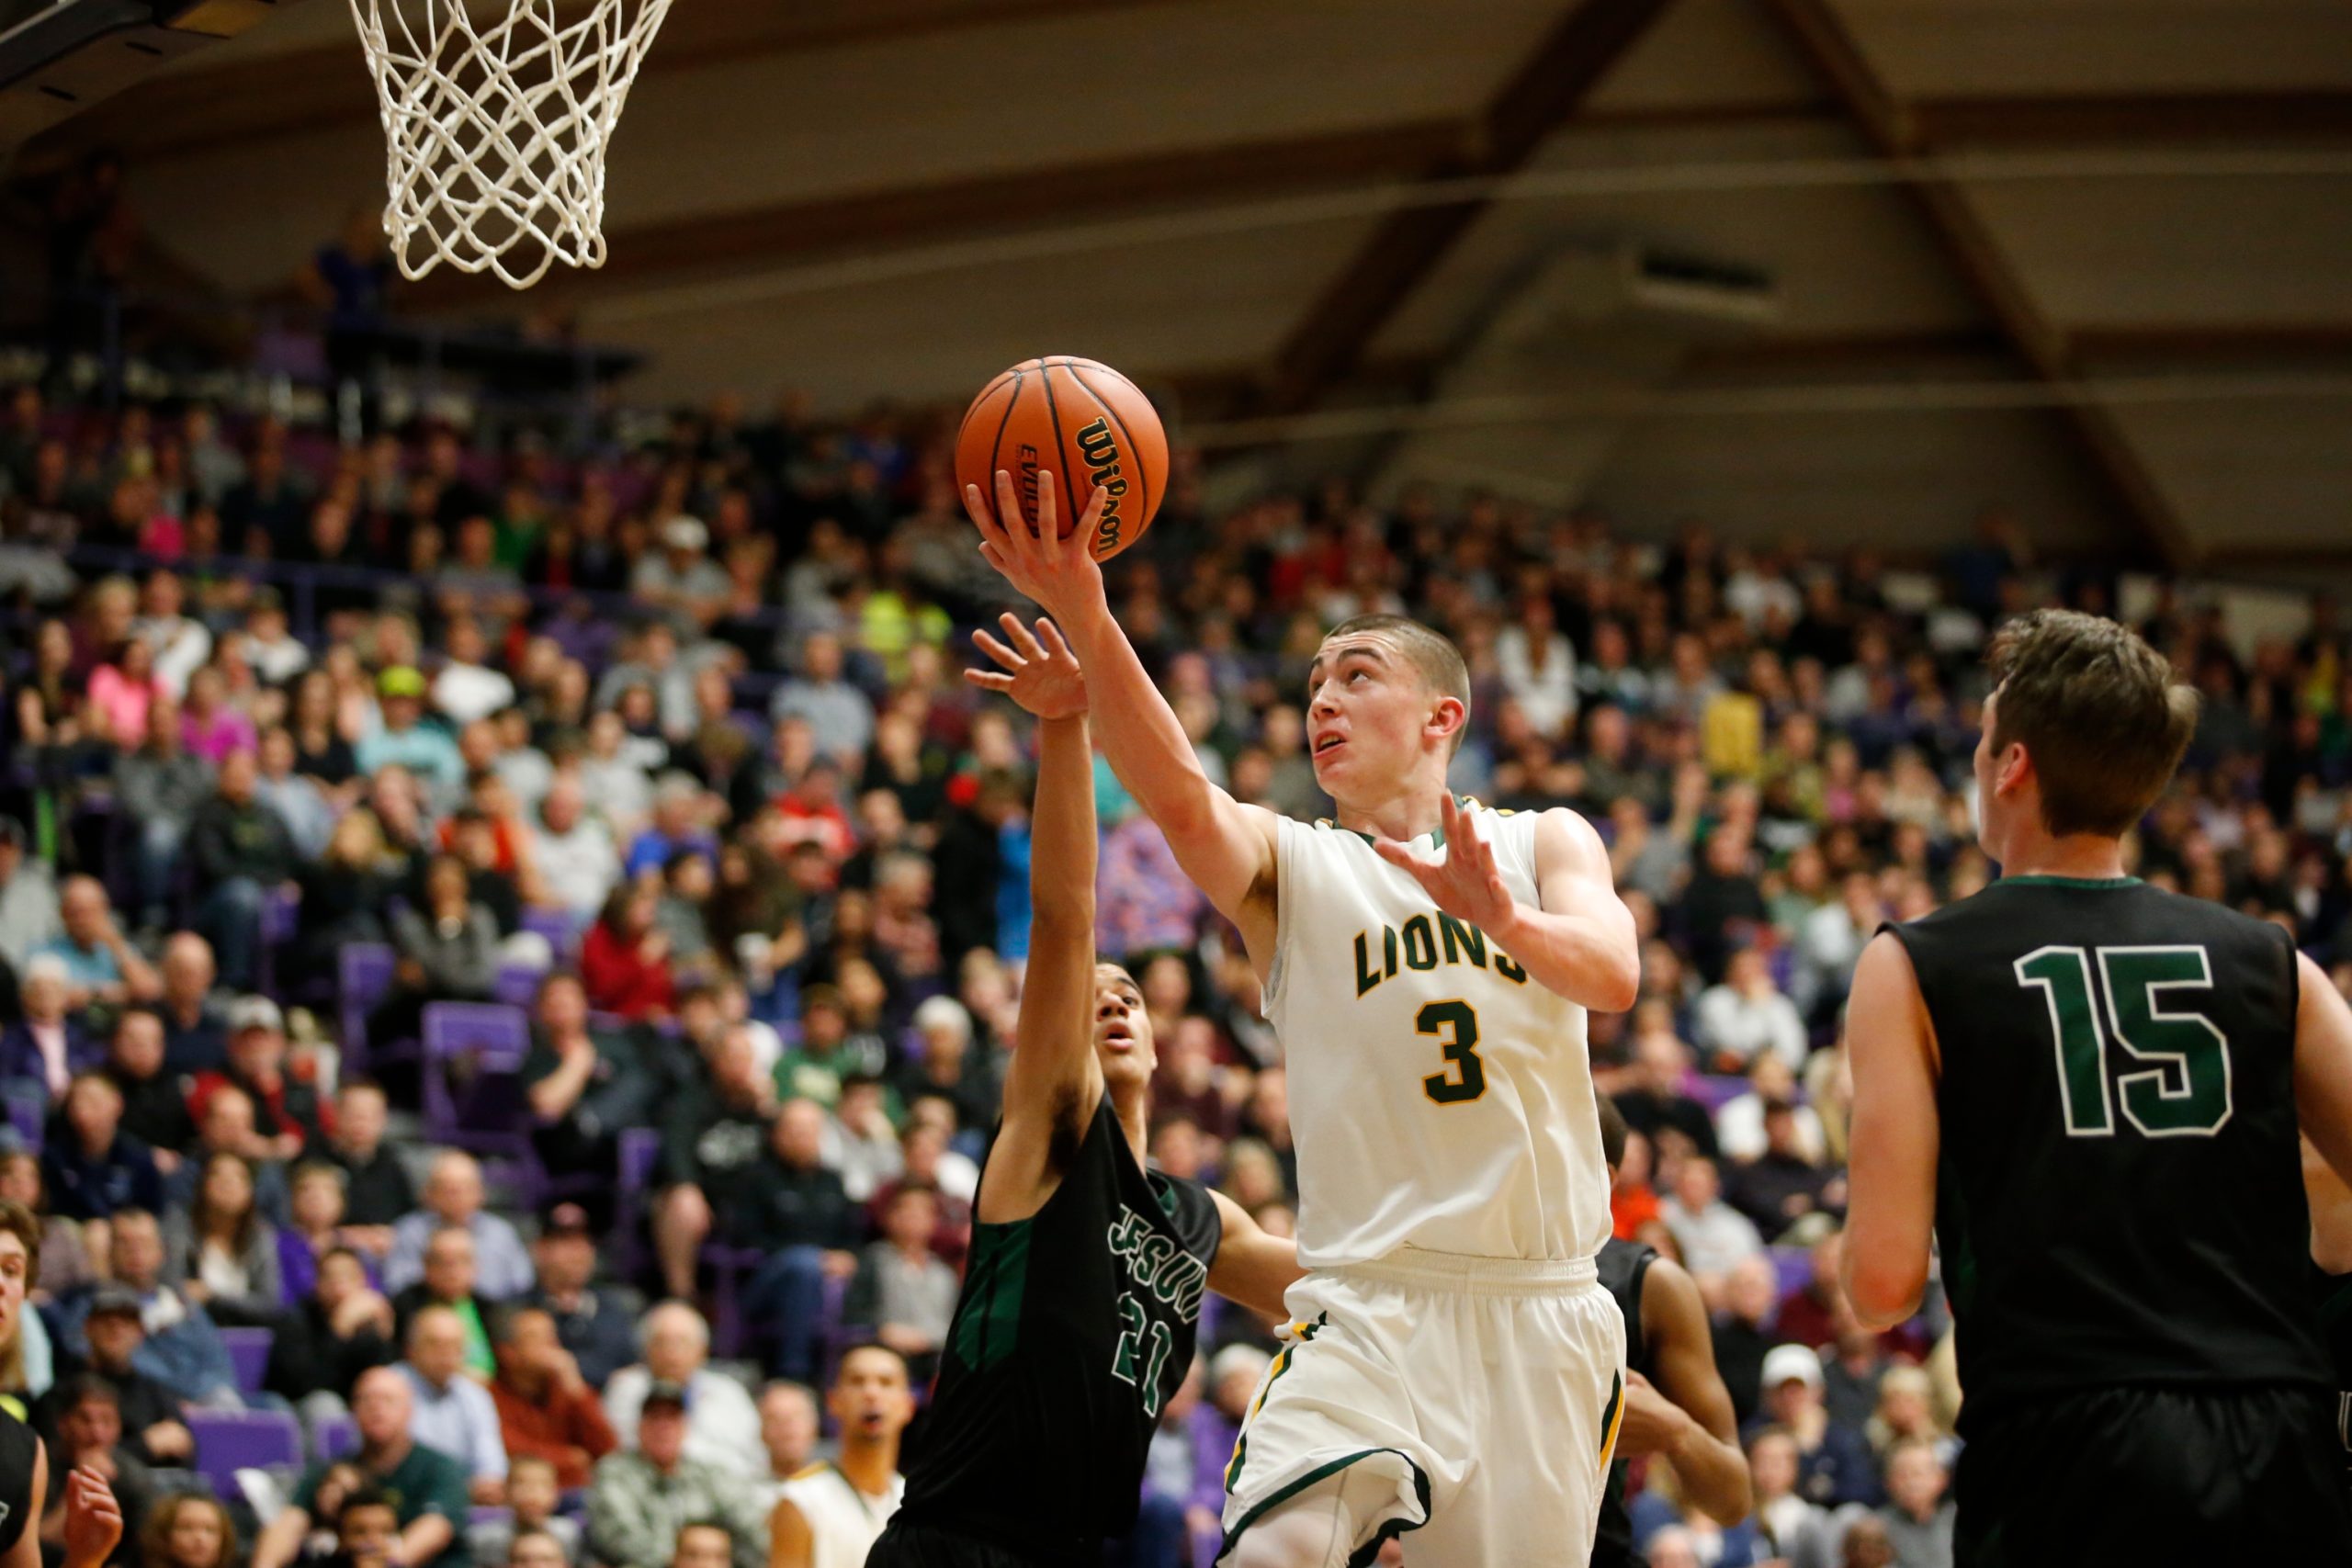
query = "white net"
x=496 y=134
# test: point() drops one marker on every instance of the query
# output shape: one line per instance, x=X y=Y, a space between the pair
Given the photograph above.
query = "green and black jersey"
x=2120 y=1196
x=1625 y=1268
x=17 y=1503
x=2334 y=1292
x=1073 y=1326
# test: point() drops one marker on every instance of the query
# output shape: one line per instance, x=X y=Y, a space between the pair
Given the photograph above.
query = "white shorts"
x=1480 y=1396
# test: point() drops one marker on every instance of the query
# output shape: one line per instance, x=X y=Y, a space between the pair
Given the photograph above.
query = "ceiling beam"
x=2082 y=118
x=1406 y=247
x=287 y=96
x=1821 y=35
x=914 y=214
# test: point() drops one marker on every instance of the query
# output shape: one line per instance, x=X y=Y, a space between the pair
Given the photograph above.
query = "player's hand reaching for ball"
x=1463 y=880
x=1055 y=568
x=92 y=1520
x=1039 y=670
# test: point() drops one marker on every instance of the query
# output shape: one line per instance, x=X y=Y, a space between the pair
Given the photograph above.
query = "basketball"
x=1083 y=423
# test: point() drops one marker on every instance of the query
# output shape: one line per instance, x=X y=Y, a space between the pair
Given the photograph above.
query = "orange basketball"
x=1083 y=423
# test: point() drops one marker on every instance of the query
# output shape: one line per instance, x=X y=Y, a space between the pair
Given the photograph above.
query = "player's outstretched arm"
x=1687 y=1415
x=2323 y=1067
x=1579 y=939
x=1252 y=1267
x=1053 y=1080
x=1894 y=1138
x=1226 y=848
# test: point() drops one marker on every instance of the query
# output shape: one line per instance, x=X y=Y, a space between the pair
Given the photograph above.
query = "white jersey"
x=1439 y=1097
x=843 y=1522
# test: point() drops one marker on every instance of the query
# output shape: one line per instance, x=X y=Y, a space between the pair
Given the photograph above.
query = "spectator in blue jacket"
x=94 y=1169
x=183 y=1350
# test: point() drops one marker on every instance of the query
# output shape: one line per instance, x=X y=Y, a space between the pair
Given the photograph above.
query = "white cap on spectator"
x=1786 y=1363
x=255 y=1012
x=684 y=533
x=944 y=1012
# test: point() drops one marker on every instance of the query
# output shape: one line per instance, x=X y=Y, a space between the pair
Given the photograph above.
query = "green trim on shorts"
x=1282 y=1365
x=1389 y=1528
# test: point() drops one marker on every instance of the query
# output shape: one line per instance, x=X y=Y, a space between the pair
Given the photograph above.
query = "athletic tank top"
x=2333 y=1294
x=1623 y=1266
x=2120 y=1195
x=18 y=1445
x=1073 y=1326
x=1439 y=1098
x=842 y=1521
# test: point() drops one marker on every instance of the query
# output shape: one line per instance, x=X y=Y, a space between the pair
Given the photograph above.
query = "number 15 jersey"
x=2120 y=1194
x=1440 y=1097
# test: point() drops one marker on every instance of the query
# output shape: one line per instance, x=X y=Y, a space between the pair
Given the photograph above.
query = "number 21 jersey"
x=2120 y=1196
x=1440 y=1097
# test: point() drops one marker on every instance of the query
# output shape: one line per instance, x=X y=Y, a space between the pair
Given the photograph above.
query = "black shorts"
x=905 y=1544
x=2153 y=1476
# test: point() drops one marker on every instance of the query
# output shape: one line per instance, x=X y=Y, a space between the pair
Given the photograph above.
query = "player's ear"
x=1446 y=720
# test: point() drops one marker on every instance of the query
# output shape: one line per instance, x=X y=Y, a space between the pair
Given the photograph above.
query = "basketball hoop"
x=495 y=137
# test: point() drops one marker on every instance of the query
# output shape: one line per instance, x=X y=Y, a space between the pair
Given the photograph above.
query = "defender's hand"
x=1463 y=880
x=1059 y=573
x=1040 y=672
x=92 y=1520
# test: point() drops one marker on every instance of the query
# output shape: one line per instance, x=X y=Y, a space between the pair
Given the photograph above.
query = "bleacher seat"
x=1794 y=1265
x=363 y=978
x=230 y=1441
x=249 y=1353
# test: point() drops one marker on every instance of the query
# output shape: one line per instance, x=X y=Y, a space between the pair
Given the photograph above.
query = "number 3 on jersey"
x=2183 y=1089
x=1455 y=1027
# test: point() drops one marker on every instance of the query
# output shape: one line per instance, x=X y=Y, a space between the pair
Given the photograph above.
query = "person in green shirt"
x=427 y=1489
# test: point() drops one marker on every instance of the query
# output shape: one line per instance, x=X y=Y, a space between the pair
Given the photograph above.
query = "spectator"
x=795 y=1210
x=345 y=891
x=1918 y=1516
x=66 y=1265
x=47 y=1046
x=430 y=1488
x=187 y=1529
x=861 y=1142
x=227 y=1127
x=196 y=1026
x=1834 y=1465
x=1906 y=1413
x=243 y=853
x=1711 y=1235
x=450 y=1412
x=401 y=739
x=788 y=1428
x=468 y=689
x=333 y=1333
x=30 y=914
x=1809 y=1317
x=584 y=1084
x=541 y=1549
x=287 y=1115
x=219 y=1251
x=90 y=1437
x=1654 y=1101
x=1782 y=1186
x=161 y=785
x=210 y=729
x=546 y=1409
x=123 y=695
x=154 y=1108
x=625 y=960
x=182 y=1349
x=1744 y=1016
x=577 y=865
x=379 y=1193
x=595 y=1326
x=453 y=1198
x=712 y=1141
x=694 y=589
x=840 y=717
x=1744 y=1332
x=102 y=968
x=150 y=1412
x=677 y=828
x=92 y=1168
x=902 y=1290
x=449 y=1280
x=1739 y=1124
x=645 y=1497
x=181 y=643
x=1784 y=1526
x=723 y=1429
x=448 y=953
x=1853 y=1366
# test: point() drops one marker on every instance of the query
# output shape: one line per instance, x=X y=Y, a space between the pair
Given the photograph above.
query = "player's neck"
x=869 y=1466
x=2086 y=857
x=1404 y=816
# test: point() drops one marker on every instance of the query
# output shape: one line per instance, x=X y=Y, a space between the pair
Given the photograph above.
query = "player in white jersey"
x=832 y=1512
x=1453 y=1368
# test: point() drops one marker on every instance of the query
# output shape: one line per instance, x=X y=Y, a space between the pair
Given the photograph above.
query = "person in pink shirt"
x=121 y=688
x=209 y=726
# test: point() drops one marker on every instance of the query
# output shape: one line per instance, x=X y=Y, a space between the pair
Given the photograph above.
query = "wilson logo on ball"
x=1101 y=452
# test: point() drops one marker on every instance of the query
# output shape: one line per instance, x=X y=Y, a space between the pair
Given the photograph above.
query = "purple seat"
x=338 y=1438
x=556 y=926
x=517 y=988
x=249 y=1353
x=24 y=1115
x=364 y=977
x=1715 y=1090
x=228 y=1442
x=480 y=1046
x=1794 y=1265
x=639 y=1153
x=281 y=916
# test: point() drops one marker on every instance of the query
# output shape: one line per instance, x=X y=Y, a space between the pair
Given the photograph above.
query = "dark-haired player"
x=1083 y=1293
x=1675 y=1405
x=92 y=1519
x=2090 y=1089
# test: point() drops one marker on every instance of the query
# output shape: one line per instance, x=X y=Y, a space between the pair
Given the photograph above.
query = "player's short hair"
x=1612 y=1132
x=21 y=1223
x=857 y=1347
x=1432 y=654
x=2098 y=712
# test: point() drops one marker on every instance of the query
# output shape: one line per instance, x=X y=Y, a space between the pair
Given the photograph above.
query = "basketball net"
x=495 y=137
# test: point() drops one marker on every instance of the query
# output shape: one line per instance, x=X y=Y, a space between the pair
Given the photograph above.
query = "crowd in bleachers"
x=438 y=881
